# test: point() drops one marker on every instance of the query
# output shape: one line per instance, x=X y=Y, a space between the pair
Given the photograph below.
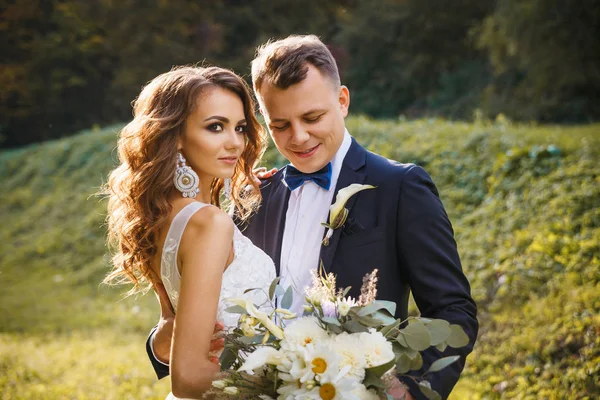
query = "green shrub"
x=524 y=201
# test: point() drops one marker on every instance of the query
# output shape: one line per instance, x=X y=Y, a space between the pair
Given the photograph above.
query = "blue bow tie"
x=295 y=178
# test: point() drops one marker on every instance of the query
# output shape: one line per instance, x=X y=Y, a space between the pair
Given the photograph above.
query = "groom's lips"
x=306 y=153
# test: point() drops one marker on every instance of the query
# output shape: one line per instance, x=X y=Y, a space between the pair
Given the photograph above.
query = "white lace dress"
x=251 y=268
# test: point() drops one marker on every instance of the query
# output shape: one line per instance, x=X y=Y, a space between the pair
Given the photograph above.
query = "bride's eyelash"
x=215 y=127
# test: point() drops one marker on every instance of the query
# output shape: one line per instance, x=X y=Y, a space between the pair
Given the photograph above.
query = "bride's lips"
x=229 y=160
x=306 y=153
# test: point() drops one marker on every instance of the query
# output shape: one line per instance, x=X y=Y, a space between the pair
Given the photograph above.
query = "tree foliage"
x=71 y=64
x=545 y=55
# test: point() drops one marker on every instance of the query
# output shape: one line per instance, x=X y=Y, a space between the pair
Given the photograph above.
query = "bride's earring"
x=186 y=180
x=227 y=188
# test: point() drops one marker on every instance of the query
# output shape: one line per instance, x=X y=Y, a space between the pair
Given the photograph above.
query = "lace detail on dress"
x=251 y=268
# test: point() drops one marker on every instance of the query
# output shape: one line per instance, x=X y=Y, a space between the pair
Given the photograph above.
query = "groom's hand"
x=398 y=390
x=262 y=173
x=162 y=337
x=164 y=332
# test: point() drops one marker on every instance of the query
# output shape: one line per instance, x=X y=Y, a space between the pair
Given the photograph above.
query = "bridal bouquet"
x=341 y=348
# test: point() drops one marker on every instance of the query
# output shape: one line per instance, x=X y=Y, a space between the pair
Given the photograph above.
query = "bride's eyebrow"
x=224 y=119
x=218 y=118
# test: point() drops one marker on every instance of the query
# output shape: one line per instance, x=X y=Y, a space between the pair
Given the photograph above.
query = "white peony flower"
x=301 y=333
x=352 y=354
x=363 y=393
x=262 y=356
x=376 y=347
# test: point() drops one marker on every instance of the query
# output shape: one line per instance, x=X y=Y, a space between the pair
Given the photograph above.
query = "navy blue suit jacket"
x=400 y=228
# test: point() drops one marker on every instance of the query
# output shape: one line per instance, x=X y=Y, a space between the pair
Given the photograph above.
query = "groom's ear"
x=344 y=99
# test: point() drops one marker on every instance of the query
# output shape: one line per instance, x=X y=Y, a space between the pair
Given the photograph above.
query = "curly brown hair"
x=139 y=187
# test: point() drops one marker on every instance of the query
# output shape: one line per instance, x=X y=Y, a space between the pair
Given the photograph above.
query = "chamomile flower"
x=336 y=386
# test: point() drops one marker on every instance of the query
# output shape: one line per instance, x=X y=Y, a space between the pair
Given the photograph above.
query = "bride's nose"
x=235 y=140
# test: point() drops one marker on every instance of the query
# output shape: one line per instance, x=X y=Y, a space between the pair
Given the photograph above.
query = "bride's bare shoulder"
x=207 y=225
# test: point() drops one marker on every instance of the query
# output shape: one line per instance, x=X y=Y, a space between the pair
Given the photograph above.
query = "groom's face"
x=306 y=120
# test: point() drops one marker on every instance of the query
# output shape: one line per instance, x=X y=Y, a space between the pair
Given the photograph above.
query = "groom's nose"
x=299 y=134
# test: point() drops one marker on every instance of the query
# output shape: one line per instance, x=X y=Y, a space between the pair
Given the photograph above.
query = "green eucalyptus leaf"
x=345 y=292
x=399 y=349
x=428 y=391
x=256 y=339
x=416 y=362
x=273 y=286
x=286 y=302
x=379 y=370
x=279 y=291
x=335 y=328
x=353 y=326
x=403 y=364
x=401 y=339
x=439 y=331
x=378 y=305
x=385 y=317
x=227 y=358
x=373 y=381
x=369 y=321
x=417 y=336
x=442 y=347
x=331 y=320
x=458 y=338
x=442 y=363
x=389 y=328
x=236 y=310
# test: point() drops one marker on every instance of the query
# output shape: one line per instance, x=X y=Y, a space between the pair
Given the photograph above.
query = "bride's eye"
x=242 y=129
x=216 y=127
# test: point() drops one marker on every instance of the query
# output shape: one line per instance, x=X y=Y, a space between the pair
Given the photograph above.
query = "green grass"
x=524 y=201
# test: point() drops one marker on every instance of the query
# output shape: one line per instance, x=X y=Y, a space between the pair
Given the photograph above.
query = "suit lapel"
x=275 y=215
x=352 y=172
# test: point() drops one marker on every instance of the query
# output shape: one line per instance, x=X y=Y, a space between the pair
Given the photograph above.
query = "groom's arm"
x=161 y=368
x=158 y=344
x=428 y=252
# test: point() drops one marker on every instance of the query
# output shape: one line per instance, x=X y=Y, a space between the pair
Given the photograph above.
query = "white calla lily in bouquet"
x=341 y=348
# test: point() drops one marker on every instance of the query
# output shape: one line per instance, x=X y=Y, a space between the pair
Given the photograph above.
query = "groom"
x=400 y=227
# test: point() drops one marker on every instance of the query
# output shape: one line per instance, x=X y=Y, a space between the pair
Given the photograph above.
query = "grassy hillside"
x=524 y=200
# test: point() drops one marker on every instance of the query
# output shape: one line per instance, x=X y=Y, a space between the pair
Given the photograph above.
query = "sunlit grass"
x=103 y=364
x=524 y=201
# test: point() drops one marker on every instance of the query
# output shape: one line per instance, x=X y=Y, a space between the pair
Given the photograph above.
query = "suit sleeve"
x=160 y=368
x=430 y=261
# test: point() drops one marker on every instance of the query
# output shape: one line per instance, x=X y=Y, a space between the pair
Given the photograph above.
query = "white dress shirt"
x=307 y=208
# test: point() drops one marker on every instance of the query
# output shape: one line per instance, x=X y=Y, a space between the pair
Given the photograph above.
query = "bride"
x=193 y=140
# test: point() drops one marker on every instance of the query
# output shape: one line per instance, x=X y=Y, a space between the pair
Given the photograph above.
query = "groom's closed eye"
x=313 y=118
x=279 y=127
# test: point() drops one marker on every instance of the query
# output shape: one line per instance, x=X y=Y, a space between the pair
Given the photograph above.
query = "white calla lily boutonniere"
x=338 y=213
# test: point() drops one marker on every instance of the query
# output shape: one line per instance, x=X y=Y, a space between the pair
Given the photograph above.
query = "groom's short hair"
x=283 y=63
